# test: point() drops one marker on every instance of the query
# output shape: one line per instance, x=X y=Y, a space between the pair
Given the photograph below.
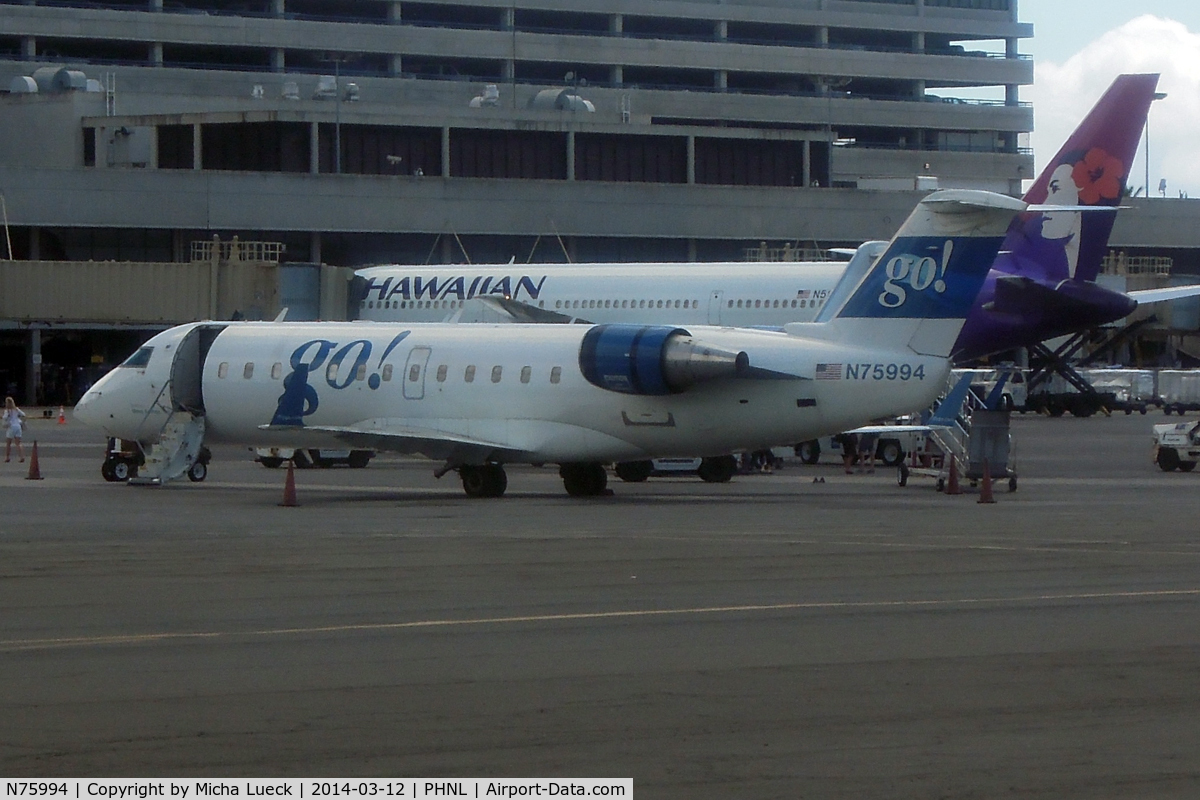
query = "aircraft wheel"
x=487 y=480
x=634 y=471
x=718 y=469
x=358 y=459
x=122 y=471
x=1168 y=459
x=584 y=480
x=809 y=452
x=197 y=472
x=1187 y=466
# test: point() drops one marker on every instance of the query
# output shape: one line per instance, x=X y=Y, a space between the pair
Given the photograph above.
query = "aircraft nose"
x=87 y=410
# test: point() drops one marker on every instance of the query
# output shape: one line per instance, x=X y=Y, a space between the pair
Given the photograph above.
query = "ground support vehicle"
x=1179 y=390
x=1177 y=446
x=984 y=444
x=274 y=457
x=718 y=469
x=890 y=451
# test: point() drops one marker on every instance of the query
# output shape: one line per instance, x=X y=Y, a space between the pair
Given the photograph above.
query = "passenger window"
x=361 y=373
x=276 y=371
x=793 y=304
x=526 y=374
x=606 y=303
x=556 y=375
x=624 y=304
x=441 y=373
x=496 y=371
x=739 y=303
x=414 y=372
x=469 y=374
x=248 y=370
x=558 y=303
x=387 y=372
x=222 y=369
x=731 y=304
x=331 y=372
x=660 y=304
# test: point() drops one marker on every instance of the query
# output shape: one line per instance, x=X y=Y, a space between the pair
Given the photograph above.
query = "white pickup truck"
x=1177 y=446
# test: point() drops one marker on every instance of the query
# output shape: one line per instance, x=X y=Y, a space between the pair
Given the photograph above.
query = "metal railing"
x=1118 y=263
x=234 y=250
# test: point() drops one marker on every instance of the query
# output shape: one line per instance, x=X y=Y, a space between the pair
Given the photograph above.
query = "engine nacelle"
x=652 y=359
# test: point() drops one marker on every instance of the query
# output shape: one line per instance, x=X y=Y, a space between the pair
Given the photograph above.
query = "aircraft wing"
x=386 y=435
x=524 y=312
x=1166 y=293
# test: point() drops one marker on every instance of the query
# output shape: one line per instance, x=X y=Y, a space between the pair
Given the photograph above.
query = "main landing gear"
x=584 y=480
x=487 y=480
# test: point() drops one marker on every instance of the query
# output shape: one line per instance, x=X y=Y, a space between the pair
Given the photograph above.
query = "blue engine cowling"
x=652 y=359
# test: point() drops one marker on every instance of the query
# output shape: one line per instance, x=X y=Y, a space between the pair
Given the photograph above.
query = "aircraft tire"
x=1187 y=466
x=486 y=480
x=717 y=469
x=358 y=459
x=584 y=480
x=634 y=471
x=121 y=471
x=809 y=452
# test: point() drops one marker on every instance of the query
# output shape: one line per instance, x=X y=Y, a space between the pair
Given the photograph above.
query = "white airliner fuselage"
x=736 y=294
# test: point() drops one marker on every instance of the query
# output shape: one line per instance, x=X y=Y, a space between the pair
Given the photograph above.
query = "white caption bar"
x=197 y=788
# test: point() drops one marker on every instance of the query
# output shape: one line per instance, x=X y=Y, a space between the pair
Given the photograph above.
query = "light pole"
x=1157 y=96
x=337 y=59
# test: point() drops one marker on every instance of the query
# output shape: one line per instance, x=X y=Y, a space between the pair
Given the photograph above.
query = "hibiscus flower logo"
x=1098 y=175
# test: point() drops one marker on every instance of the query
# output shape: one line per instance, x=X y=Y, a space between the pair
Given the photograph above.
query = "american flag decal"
x=803 y=294
x=829 y=372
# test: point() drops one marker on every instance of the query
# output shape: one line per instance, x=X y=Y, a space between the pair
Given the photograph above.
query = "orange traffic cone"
x=35 y=472
x=985 y=490
x=62 y=416
x=952 y=486
x=289 y=487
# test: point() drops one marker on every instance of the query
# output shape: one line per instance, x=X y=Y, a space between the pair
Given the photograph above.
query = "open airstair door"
x=188 y=366
x=181 y=440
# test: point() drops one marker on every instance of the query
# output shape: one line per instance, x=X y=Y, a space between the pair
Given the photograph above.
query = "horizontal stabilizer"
x=1165 y=293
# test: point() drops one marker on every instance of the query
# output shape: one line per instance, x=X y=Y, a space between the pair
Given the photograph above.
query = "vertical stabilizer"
x=920 y=290
x=1090 y=169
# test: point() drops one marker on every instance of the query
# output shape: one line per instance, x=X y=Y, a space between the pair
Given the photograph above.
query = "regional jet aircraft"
x=476 y=397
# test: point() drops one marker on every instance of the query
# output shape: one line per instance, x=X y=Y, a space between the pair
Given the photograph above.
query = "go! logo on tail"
x=908 y=272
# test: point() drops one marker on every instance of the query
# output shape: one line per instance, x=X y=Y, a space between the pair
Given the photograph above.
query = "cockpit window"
x=139 y=359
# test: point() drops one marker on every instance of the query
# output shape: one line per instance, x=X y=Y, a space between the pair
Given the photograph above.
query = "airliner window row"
x=414 y=372
x=774 y=303
x=565 y=304
x=450 y=304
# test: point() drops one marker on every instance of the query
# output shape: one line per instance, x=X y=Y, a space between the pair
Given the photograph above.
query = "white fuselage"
x=444 y=390
x=739 y=294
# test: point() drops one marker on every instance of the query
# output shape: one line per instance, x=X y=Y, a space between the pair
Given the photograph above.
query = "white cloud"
x=1063 y=93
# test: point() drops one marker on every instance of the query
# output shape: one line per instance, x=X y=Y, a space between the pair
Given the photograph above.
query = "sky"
x=1079 y=46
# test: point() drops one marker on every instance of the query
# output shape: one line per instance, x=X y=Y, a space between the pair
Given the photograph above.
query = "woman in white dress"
x=13 y=420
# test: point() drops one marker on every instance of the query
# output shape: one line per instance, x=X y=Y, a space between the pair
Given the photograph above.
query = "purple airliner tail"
x=1089 y=170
